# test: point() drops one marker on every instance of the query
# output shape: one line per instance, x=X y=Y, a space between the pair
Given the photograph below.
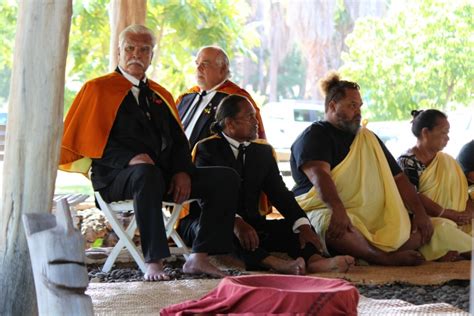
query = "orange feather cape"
x=228 y=87
x=91 y=116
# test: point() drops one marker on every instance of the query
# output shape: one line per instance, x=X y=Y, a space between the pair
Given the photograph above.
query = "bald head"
x=212 y=67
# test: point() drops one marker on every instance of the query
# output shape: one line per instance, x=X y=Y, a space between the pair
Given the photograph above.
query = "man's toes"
x=164 y=277
x=349 y=260
x=156 y=277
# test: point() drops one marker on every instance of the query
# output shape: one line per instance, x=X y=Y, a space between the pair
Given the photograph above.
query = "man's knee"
x=145 y=175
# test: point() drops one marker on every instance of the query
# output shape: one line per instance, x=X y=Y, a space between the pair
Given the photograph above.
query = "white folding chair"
x=125 y=235
x=72 y=198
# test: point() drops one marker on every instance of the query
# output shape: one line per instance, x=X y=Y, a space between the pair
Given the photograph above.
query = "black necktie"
x=240 y=169
x=142 y=98
x=240 y=160
x=193 y=110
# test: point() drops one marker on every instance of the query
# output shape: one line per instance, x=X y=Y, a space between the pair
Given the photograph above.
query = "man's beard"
x=351 y=126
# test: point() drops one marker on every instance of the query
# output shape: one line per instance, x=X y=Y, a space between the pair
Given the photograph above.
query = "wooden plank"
x=34 y=129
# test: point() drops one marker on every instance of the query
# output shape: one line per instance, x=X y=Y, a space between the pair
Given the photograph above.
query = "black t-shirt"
x=466 y=157
x=322 y=141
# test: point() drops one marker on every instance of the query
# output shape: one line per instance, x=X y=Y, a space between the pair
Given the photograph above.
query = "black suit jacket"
x=133 y=133
x=202 y=128
x=261 y=174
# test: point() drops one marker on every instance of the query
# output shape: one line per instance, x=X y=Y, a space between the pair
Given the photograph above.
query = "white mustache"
x=135 y=61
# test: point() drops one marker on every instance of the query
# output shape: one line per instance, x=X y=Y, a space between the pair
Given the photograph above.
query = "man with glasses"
x=125 y=127
x=197 y=106
x=235 y=146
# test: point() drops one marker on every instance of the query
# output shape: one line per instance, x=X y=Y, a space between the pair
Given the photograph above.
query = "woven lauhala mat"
x=429 y=273
x=145 y=298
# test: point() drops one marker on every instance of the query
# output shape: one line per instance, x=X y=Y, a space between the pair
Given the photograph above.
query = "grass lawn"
x=72 y=183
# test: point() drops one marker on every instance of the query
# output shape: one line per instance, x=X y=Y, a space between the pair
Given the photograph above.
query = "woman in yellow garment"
x=441 y=183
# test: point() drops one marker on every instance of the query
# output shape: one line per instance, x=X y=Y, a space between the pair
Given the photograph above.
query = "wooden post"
x=34 y=130
x=122 y=14
x=58 y=260
x=471 y=297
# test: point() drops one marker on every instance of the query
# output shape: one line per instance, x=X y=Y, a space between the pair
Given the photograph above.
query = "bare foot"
x=403 y=258
x=295 y=267
x=466 y=255
x=154 y=272
x=198 y=263
x=451 y=256
x=318 y=263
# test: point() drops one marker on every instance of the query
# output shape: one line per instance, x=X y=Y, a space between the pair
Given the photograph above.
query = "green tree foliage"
x=291 y=76
x=7 y=37
x=185 y=26
x=419 y=56
x=181 y=28
x=89 y=40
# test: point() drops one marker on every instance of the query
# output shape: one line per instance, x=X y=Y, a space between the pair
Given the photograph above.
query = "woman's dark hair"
x=333 y=88
x=425 y=118
x=228 y=108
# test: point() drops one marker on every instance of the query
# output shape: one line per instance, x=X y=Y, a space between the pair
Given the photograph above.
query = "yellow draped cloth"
x=366 y=187
x=370 y=195
x=444 y=182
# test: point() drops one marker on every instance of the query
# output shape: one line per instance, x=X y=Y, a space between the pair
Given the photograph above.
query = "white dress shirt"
x=201 y=106
x=134 y=81
x=234 y=145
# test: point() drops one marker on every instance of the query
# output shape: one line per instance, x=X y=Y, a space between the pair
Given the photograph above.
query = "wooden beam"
x=34 y=130
x=122 y=14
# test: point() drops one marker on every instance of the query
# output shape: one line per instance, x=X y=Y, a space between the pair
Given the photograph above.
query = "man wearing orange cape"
x=197 y=107
x=125 y=128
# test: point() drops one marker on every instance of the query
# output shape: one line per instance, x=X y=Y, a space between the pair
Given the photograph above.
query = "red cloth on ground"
x=274 y=294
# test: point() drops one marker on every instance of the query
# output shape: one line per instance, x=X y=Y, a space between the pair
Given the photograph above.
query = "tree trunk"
x=278 y=46
x=312 y=25
x=33 y=136
x=122 y=14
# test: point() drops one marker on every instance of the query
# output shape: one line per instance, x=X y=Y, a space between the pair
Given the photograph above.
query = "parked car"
x=398 y=137
x=3 y=118
x=285 y=120
x=461 y=130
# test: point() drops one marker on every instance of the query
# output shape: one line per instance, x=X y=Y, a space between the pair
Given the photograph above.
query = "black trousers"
x=275 y=236
x=216 y=187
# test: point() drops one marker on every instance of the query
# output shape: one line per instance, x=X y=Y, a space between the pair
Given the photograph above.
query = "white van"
x=285 y=120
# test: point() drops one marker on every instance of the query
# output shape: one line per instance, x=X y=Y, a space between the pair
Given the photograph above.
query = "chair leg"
x=170 y=230
x=124 y=241
x=180 y=244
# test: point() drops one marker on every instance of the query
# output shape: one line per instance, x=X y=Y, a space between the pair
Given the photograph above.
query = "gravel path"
x=455 y=293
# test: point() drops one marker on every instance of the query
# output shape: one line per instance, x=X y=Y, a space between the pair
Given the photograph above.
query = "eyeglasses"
x=145 y=49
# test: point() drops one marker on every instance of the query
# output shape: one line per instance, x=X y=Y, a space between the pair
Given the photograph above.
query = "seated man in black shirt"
x=234 y=146
x=350 y=185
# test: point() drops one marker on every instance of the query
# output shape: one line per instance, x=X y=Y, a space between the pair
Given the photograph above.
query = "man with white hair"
x=197 y=106
x=125 y=128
